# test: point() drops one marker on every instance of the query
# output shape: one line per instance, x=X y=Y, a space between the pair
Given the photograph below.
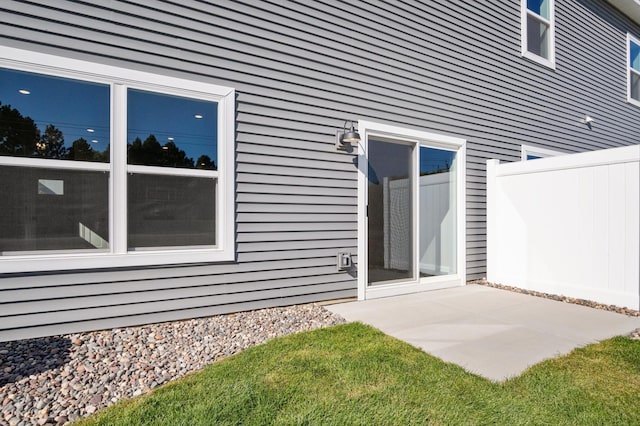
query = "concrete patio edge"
x=491 y=332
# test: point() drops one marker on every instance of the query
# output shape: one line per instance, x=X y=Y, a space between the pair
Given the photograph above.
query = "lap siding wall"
x=299 y=70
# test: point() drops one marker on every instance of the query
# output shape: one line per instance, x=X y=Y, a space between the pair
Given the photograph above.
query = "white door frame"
x=368 y=128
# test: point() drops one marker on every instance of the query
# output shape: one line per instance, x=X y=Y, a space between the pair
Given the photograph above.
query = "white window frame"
x=120 y=79
x=526 y=150
x=415 y=138
x=631 y=39
x=551 y=61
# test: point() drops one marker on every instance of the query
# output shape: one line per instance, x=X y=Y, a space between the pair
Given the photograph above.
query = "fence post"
x=491 y=218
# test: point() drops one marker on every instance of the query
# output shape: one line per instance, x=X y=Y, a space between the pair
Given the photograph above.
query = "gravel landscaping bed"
x=58 y=379
x=54 y=380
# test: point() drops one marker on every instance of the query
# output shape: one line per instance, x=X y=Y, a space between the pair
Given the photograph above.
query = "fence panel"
x=567 y=225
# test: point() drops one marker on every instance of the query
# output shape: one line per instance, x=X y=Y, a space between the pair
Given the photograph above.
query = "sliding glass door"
x=412 y=228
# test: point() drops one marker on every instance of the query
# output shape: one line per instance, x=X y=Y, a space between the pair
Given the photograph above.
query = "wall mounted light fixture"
x=344 y=137
x=587 y=120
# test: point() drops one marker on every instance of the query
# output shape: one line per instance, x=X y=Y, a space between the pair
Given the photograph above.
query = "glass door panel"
x=437 y=206
x=390 y=189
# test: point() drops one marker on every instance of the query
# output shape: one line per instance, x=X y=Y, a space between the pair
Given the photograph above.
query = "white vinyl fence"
x=437 y=224
x=567 y=225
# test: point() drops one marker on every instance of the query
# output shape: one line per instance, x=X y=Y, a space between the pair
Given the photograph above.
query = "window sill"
x=633 y=101
x=540 y=60
x=77 y=261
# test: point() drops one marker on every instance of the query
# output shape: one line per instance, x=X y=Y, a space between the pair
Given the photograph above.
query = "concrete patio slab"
x=491 y=332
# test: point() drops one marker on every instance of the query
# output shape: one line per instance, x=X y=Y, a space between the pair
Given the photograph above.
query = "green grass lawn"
x=354 y=374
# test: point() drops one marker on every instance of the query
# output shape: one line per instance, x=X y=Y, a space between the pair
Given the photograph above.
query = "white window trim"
x=524 y=11
x=635 y=40
x=120 y=79
x=526 y=150
x=419 y=138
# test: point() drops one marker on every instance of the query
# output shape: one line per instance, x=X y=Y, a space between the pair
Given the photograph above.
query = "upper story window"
x=103 y=166
x=633 y=77
x=538 y=31
x=528 y=152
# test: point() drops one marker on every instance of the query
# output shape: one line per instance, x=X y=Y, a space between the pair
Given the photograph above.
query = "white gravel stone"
x=59 y=379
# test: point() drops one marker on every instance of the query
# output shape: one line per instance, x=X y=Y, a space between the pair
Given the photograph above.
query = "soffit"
x=631 y=8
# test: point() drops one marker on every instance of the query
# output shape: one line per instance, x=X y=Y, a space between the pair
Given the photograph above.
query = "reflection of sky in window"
x=634 y=59
x=539 y=7
x=70 y=105
x=435 y=160
x=173 y=119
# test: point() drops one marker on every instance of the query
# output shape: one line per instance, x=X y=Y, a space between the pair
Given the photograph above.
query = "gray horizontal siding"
x=300 y=69
x=90 y=322
x=85 y=295
x=33 y=313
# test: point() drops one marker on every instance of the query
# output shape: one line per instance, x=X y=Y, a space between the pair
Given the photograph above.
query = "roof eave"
x=631 y=8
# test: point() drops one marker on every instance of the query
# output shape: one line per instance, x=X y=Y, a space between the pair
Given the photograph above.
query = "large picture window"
x=107 y=167
x=538 y=31
x=633 y=48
